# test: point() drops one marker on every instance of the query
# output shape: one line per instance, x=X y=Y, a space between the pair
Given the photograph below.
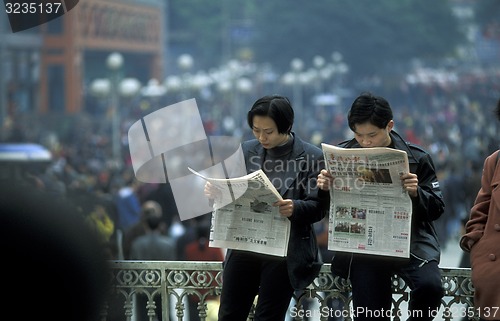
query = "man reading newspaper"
x=292 y=166
x=371 y=120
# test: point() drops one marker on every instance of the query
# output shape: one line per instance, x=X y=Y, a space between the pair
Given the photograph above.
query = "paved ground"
x=451 y=254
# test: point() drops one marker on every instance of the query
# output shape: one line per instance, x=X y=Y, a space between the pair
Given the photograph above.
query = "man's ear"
x=390 y=125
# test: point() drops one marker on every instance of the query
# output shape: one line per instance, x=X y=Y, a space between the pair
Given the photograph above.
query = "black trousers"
x=248 y=274
x=372 y=293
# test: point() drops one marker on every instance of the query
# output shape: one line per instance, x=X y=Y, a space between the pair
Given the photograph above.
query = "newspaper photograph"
x=370 y=212
x=244 y=218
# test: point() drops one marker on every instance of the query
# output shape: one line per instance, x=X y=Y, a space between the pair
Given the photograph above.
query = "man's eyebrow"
x=370 y=133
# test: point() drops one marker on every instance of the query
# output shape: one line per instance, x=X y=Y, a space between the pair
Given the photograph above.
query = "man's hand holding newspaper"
x=409 y=181
x=248 y=214
x=285 y=206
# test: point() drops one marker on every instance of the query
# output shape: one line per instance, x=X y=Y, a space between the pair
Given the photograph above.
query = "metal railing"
x=170 y=288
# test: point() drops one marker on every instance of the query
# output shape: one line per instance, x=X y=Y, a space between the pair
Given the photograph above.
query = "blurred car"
x=19 y=160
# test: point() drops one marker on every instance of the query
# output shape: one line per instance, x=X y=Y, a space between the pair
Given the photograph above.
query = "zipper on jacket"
x=424 y=261
x=349 y=270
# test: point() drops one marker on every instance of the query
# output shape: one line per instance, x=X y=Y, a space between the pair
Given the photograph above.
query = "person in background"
x=334 y=304
x=139 y=228
x=99 y=220
x=95 y=211
x=199 y=250
x=152 y=246
x=371 y=120
x=482 y=239
x=292 y=166
x=128 y=205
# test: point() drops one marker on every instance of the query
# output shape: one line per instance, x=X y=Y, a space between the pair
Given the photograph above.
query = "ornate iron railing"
x=171 y=287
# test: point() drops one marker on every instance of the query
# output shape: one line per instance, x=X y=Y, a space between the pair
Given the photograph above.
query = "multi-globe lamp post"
x=114 y=87
x=185 y=63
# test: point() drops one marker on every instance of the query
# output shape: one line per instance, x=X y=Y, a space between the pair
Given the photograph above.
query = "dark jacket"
x=429 y=204
x=300 y=185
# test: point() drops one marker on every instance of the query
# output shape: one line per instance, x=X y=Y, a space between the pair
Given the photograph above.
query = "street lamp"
x=318 y=62
x=340 y=68
x=297 y=66
x=243 y=86
x=154 y=90
x=294 y=78
x=185 y=63
x=114 y=87
x=114 y=62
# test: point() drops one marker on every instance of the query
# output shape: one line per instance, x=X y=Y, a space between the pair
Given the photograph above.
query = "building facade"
x=75 y=48
x=49 y=68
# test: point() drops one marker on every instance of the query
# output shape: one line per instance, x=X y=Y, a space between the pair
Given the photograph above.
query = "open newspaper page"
x=244 y=218
x=370 y=213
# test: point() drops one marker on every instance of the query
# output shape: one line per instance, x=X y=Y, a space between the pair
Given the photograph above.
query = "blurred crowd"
x=453 y=121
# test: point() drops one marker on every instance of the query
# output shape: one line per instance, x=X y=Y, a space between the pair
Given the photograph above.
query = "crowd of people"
x=454 y=123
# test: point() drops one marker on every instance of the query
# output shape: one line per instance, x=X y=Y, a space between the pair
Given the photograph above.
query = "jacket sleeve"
x=310 y=207
x=429 y=205
x=479 y=212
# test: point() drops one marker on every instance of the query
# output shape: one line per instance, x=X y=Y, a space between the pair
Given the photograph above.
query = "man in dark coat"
x=292 y=166
x=371 y=120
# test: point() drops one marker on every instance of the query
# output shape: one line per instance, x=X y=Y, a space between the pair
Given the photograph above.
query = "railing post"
x=165 y=297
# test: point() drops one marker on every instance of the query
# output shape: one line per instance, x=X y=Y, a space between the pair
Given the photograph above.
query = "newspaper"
x=244 y=218
x=370 y=212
